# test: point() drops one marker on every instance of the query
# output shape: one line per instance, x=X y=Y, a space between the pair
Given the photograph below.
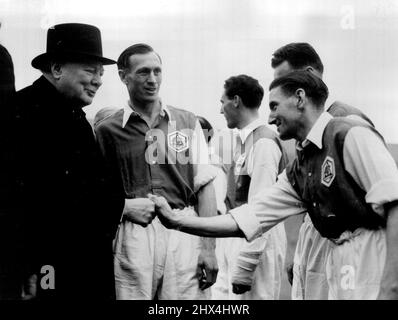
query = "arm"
x=389 y=282
x=220 y=180
x=139 y=211
x=218 y=226
x=372 y=167
x=204 y=174
x=207 y=259
x=267 y=155
x=262 y=166
x=268 y=208
x=220 y=189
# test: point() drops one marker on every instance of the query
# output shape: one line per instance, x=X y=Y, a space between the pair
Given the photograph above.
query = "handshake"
x=143 y=210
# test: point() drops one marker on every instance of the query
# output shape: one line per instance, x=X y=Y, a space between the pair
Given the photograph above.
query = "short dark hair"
x=313 y=86
x=139 y=48
x=206 y=127
x=299 y=55
x=247 y=88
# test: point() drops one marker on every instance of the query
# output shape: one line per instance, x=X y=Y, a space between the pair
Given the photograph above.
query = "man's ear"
x=56 y=70
x=301 y=98
x=313 y=71
x=122 y=76
x=236 y=101
x=310 y=69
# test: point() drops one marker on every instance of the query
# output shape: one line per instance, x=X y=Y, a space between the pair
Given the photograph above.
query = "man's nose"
x=271 y=119
x=152 y=77
x=97 y=80
x=222 y=110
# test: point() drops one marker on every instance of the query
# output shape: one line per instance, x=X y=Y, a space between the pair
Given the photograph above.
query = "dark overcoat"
x=9 y=227
x=70 y=206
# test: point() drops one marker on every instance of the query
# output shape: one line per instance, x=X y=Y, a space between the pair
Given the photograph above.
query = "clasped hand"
x=139 y=210
x=163 y=211
x=143 y=210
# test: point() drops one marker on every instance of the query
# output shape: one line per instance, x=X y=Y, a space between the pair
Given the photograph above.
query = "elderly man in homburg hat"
x=69 y=206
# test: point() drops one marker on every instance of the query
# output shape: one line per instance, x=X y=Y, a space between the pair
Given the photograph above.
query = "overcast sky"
x=203 y=42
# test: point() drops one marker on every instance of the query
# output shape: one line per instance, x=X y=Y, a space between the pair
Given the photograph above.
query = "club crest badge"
x=177 y=141
x=328 y=171
x=239 y=164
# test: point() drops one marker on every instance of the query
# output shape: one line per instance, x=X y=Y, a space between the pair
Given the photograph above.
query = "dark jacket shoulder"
x=341 y=109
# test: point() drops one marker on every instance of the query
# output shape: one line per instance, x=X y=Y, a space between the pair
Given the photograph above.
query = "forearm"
x=389 y=282
x=219 y=226
x=207 y=207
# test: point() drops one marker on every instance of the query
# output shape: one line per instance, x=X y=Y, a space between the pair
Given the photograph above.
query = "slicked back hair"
x=313 y=86
x=299 y=55
x=139 y=48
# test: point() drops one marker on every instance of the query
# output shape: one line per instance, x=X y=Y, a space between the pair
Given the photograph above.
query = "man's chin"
x=286 y=137
x=231 y=126
x=84 y=102
x=151 y=98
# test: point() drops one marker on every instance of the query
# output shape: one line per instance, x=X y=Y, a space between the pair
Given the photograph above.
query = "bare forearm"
x=219 y=226
x=389 y=283
x=207 y=207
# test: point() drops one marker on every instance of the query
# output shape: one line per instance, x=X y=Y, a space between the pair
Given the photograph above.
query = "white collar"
x=246 y=131
x=316 y=132
x=129 y=110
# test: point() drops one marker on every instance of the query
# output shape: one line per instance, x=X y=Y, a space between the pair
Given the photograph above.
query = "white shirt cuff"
x=382 y=192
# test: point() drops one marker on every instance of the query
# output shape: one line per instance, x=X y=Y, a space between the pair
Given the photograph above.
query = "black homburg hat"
x=72 y=42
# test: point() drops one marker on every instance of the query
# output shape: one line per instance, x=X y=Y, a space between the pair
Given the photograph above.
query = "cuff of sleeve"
x=383 y=192
x=247 y=222
x=242 y=276
x=204 y=176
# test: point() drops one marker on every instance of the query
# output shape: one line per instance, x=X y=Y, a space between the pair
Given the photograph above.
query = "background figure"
x=302 y=56
x=306 y=270
x=250 y=270
x=159 y=149
x=220 y=180
x=207 y=128
x=10 y=237
x=102 y=114
x=69 y=204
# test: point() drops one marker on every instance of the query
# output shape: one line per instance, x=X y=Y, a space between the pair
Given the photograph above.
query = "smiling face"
x=79 y=81
x=143 y=78
x=284 y=113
